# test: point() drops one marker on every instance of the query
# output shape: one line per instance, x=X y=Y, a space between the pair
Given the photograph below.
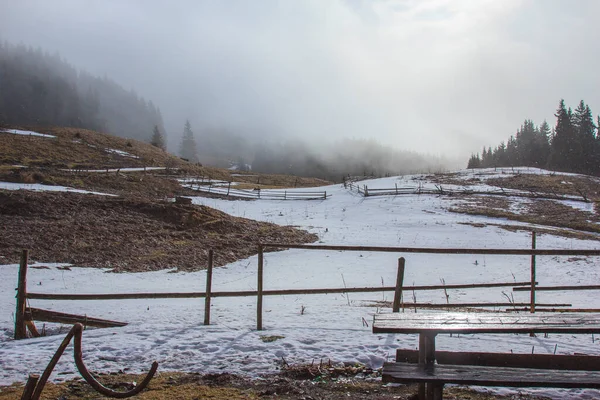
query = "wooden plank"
x=38 y=314
x=428 y=250
x=456 y=322
x=513 y=360
x=489 y=376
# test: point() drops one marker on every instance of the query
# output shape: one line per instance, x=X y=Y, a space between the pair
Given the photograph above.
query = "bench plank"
x=489 y=376
x=514 y=360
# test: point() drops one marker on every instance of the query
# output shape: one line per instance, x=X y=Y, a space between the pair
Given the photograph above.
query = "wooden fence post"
x=259 y=288
x=20 y=327
x=325 y=195
x=228 y=187
x=209 y=272
x=399 y=284
x=532 y=273
x=396 y=185
x=366 y=191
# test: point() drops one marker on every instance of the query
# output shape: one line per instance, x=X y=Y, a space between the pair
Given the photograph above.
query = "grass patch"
x=270 y=339
x=536 y=211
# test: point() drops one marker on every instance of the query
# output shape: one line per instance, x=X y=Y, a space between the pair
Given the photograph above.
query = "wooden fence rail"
x=260 y=292
x=272 y=292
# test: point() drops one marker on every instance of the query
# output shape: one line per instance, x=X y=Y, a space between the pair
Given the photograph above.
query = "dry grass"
x=574 y=185
x=538 y=212
x=302 y=385
x=82 y=149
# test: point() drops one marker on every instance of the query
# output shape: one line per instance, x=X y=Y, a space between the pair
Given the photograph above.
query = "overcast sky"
x=438 y=76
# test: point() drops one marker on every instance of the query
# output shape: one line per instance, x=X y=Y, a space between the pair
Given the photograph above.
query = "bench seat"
x=401 y=372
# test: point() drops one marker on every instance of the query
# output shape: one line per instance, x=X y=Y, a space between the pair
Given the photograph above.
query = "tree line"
x=40 y=89
x=571 y=145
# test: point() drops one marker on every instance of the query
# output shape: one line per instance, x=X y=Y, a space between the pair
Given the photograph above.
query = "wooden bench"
x=495 y=369
x=432 y=368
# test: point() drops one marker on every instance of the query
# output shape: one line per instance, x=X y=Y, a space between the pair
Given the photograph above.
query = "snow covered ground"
x=332 y=326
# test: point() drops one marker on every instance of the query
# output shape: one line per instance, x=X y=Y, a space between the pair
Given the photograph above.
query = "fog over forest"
x=441 y=78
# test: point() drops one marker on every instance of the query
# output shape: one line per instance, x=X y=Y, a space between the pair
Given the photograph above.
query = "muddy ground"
x=127 y=234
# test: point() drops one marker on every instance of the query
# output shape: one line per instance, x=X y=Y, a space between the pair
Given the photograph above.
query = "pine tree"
x=564 y=143
x=474 y=162
x=188 y=144
x=158 y=139
x=585 y=135
x=541 y=145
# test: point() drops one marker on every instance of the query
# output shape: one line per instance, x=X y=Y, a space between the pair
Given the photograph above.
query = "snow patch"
x=26 y=133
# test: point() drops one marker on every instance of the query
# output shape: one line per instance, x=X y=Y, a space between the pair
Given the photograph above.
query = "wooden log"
x=32 y=329
x=428 y=250
x=20 y=326
x=209 y=272
x=399 y=283
x=38 y=314
x=259 y=295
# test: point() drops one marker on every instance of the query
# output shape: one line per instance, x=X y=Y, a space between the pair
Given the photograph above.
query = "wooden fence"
x=226 y=189
x=23 y=295
x=439 y=190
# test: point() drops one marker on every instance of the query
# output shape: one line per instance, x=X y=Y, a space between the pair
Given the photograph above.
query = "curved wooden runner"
x=35 y=384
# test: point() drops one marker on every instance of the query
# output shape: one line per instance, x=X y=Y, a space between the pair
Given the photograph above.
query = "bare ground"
x=128 y=234
x=574 y=222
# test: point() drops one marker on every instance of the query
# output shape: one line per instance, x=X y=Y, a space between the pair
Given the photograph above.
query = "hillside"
x=142 y=228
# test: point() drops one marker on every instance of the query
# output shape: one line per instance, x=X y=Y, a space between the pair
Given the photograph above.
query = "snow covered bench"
x=495 y=369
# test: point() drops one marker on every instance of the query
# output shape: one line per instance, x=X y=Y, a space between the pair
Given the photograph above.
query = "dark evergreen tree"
x=37 y=88
x=188 y=148
x=585 y=136
x=158 y=139
x=541 y=145
x=565 y=147
x=474 y=162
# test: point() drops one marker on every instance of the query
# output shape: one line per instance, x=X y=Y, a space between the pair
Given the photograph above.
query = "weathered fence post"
x=259 y=289
x=20 y=327
x=366 y=191
x=207 y=299
x=325 y=195
x=228 y=188
x=533 y=273
x=399 y=284
x=396 y=185
x=285 y=195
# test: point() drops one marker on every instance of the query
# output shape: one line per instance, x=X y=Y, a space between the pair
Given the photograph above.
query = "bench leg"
x=438 y=390
x=427 y=358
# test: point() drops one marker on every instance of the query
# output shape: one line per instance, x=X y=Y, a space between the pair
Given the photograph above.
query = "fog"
x=443 y=77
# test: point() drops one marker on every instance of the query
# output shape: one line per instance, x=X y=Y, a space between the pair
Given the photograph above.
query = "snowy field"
x=332 y=326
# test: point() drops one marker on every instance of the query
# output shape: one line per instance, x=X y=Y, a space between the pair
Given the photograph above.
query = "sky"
x=443 y=77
